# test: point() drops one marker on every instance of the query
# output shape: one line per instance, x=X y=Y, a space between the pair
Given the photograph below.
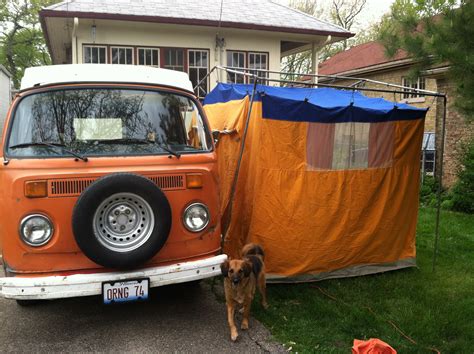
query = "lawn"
x=415 y=310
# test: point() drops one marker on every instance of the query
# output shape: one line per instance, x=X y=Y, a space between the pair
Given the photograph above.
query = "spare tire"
x=121 y=220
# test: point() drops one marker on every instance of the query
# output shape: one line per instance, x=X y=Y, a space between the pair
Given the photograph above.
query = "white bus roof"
x=55 y=74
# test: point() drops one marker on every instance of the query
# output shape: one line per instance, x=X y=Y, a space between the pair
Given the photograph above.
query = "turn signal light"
x=36 y=189
x=194 y=181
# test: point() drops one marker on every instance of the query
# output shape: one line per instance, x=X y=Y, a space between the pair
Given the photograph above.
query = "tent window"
x=345 y=146
x=319 y=147
x=351 y=146
x=381 y=141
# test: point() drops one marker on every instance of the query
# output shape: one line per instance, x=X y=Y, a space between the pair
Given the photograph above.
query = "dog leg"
x=230 y=318
x=262 y=288
x=246 y=314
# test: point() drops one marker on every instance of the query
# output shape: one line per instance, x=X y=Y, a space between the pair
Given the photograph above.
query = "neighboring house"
x=369 y=61
x=5 y=94
x=191 y=36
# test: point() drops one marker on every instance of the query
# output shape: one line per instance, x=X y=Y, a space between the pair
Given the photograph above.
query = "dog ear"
x=225 y=268
x=247 y=268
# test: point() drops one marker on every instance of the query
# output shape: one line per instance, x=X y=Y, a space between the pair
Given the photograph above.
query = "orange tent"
x=328 y=182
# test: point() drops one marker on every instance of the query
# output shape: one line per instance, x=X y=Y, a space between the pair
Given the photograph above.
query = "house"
x=369 y=61
x=191 y=36
x=5 y=94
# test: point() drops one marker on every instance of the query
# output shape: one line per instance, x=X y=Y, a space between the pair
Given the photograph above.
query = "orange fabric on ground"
x=372 y=346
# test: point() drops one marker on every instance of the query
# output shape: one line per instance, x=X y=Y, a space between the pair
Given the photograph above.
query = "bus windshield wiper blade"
x=132 y=141
x=125 y=141
x=168 y=149
x=53 y=145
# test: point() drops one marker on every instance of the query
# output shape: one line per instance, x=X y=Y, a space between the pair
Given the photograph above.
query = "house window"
x=236 y=61
x=149 y=56
x=95 y=54
x=198 y=68
x=173 y=59
x=122 y=55
x=258 y=61
x=418 y=83
x=428 y=154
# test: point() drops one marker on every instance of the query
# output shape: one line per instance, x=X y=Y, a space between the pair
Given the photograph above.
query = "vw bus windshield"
x=106 y=122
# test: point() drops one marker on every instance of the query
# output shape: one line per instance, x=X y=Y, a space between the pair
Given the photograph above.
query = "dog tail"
x=252 y=249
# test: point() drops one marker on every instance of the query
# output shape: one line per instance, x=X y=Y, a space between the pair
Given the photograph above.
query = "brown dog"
x=241 y=278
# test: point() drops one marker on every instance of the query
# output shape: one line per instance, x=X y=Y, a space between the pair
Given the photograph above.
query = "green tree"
x=462 y=194
x=436 y=32
x=21 y=38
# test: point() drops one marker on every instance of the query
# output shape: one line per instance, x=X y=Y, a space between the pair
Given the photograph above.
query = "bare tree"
x=301 y=62
x=343 y=13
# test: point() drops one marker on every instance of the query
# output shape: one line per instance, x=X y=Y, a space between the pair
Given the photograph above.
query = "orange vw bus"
x=108 y=184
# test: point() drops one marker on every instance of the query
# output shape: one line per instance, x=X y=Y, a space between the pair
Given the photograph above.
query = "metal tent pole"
x=228 y=211
x=335 y=77
x=204 y=78
x=403 y=89
x=440 y=184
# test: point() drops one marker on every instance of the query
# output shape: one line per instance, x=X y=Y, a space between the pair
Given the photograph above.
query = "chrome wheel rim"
x=123 y=222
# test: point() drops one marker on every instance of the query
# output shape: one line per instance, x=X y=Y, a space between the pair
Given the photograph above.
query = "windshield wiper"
x=124 y=141
x=168 y=149
x=131 y=141
x=53 y=145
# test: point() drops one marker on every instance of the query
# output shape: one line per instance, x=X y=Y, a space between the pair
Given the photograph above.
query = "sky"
x=372 y=12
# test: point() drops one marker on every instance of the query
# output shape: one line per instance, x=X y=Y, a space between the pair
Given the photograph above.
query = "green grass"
x=435 y=309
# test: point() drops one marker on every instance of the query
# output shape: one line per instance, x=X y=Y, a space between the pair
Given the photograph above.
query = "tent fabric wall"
x=316 y=223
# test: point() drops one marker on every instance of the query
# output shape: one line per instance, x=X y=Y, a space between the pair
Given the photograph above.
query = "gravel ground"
x=181 y=318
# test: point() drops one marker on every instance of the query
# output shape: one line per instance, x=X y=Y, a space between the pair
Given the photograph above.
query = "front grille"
x=69 y=187
x=75 y=186
x=168 y=182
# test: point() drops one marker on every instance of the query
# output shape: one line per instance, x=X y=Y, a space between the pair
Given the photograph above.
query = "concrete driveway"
x=179 y=318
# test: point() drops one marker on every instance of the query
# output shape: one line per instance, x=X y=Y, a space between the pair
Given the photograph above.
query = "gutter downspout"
x=75 y=54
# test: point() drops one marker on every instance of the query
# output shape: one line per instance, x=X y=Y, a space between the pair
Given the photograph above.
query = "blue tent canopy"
x=323 y=105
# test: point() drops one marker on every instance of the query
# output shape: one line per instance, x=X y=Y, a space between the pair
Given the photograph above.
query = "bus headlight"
x=36 y=230
x=196 y=217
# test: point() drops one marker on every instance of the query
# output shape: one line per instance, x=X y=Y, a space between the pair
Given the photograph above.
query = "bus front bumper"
x=56 y=287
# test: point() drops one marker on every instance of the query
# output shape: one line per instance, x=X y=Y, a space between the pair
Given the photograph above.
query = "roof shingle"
x=358 y=57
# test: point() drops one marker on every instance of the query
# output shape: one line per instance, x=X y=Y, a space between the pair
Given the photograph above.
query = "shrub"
x=462 y=193
x=428 y=190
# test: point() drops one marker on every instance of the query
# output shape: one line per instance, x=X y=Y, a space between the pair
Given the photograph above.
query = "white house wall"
x=5 y=97
x=124 y=33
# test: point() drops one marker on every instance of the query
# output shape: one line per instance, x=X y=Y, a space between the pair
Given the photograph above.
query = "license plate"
x=125 y=290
